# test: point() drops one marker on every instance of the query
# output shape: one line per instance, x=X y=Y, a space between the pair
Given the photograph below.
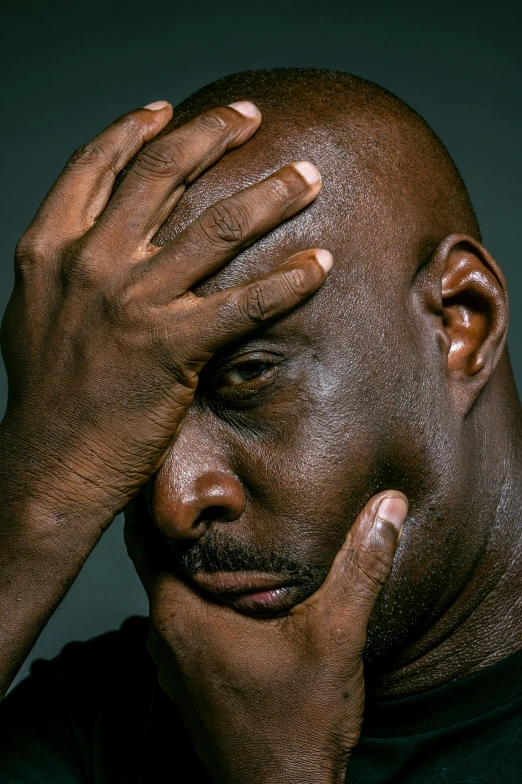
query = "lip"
x=251 y=592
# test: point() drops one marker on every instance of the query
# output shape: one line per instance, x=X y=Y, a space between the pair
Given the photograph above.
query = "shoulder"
x=96 y=662
x=92 y=694
x=85 y=676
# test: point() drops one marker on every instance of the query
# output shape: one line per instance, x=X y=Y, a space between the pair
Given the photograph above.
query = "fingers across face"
x=227 y=227
x=164 y=168
x=233 y=313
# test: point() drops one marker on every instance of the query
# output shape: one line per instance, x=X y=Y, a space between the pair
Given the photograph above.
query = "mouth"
x=255 y=593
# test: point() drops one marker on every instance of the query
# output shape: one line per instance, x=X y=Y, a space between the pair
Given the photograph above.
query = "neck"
x=484 y=623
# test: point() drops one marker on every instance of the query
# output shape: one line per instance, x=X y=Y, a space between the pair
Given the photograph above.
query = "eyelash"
x=263 y=368
x=259 y=381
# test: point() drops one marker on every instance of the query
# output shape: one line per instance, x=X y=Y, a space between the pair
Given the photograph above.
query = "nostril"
x=216 y=514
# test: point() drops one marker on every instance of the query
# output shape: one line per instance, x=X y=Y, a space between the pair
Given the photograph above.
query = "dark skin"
x=441 y=300
x=201 y=422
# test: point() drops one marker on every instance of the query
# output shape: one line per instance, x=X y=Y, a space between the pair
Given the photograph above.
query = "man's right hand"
x=103 y=339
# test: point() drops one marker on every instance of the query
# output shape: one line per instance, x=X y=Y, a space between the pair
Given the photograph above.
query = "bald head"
x=389 y=183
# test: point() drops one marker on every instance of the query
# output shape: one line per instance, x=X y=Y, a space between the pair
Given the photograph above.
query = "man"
x=180 y=346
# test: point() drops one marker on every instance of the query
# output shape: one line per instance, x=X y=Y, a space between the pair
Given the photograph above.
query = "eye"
x=243 y=372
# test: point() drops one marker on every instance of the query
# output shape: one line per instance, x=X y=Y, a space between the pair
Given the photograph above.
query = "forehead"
x=324 y=223
x=353 y=216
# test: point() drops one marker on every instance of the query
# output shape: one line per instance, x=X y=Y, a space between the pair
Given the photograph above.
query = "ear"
x=473 y=314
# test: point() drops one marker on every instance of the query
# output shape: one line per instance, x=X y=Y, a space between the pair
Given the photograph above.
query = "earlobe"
x=474 y=314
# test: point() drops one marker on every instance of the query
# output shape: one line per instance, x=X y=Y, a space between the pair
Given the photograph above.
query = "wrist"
x=287 y=767
x=315 y=771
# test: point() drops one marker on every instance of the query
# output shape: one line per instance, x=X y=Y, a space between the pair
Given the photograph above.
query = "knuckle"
x=226 y=223
x=31 y=252
x=129 y=125
x=211 y=121
x=294 y=285
x=278 y=190
x=156 y=159
x=253 y=305
x=373 y=568
x=160 y=159
x=90 y=154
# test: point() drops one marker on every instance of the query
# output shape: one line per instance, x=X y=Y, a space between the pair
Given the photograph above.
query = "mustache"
x=214 y=553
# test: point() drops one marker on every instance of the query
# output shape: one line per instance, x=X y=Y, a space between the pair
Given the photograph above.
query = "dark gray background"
x=70 y=69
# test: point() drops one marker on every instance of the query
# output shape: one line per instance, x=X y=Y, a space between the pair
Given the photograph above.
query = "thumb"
x=364 y=562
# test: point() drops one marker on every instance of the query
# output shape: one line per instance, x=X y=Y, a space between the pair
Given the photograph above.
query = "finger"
x=363 y=564
x=83 y=188
x=233 y=313
x=225 y=228
x=160 y=174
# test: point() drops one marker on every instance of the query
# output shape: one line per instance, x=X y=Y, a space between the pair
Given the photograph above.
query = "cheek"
x=307 y=482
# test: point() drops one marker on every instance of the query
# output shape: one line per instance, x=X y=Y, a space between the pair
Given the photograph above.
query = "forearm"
x=45 y=539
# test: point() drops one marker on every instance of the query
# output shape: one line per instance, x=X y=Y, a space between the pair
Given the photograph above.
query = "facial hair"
x=217 y=553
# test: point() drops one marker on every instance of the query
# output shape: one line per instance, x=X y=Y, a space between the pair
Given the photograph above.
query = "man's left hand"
x=275 y=699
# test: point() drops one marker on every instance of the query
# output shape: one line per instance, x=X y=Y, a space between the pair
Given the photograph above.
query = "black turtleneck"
x=95 y=714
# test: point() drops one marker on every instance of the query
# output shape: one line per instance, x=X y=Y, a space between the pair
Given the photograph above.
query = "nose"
x=195 y=488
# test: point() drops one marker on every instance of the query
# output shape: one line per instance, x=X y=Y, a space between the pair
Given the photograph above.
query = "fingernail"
x=156 y=105
x=393 y=510
x=246 y=108
x=324 y=258
x=308 y=172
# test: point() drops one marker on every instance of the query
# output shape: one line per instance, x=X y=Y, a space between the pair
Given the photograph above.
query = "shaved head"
x=372 y=149
x=394 y=375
